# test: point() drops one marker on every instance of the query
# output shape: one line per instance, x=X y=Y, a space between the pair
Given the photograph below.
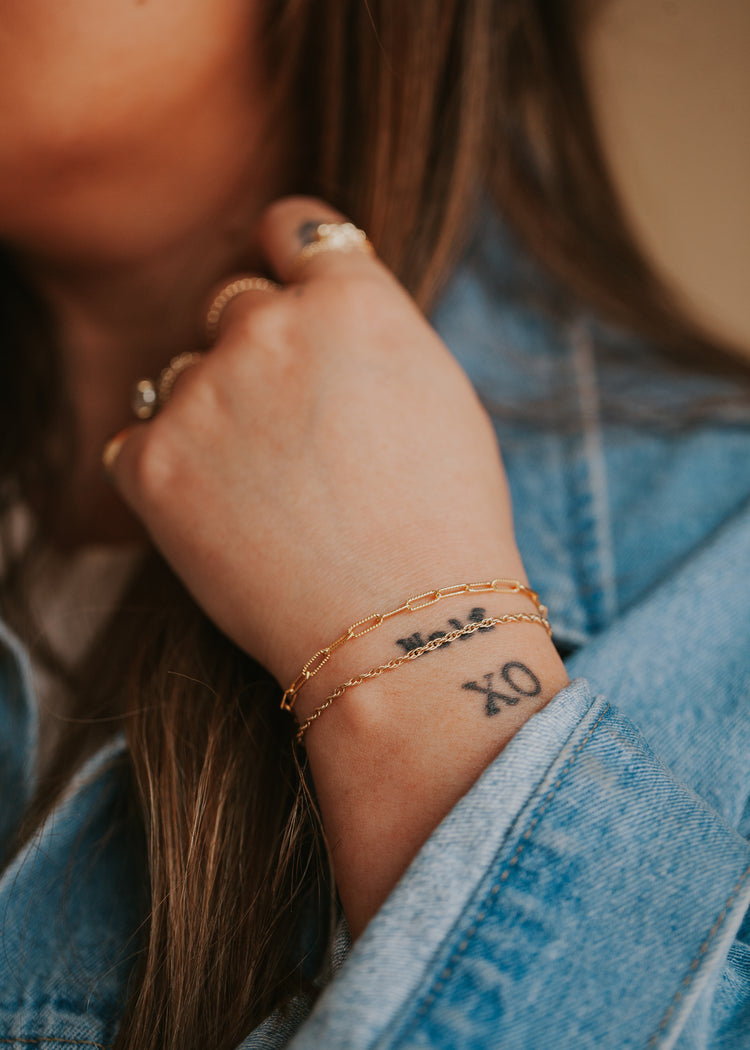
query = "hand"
x=325 y=460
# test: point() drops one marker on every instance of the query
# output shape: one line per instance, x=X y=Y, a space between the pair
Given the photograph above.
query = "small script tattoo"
x=416 y=640
x=517 y=677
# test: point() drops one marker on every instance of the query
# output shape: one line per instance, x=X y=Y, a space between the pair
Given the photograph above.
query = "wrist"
x=391 y=755
x=317 y=608
x=442 y=640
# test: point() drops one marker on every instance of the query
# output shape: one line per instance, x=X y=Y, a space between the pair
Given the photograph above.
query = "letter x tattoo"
x=531 y=686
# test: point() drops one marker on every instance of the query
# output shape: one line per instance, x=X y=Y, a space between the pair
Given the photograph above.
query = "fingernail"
x=112 y=450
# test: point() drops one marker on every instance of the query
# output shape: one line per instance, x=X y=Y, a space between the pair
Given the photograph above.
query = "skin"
x=107 y=101
x=326 y=460
x=135 y=159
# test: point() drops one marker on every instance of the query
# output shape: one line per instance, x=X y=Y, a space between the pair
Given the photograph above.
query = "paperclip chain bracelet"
x=414 y=654
x=413 y=604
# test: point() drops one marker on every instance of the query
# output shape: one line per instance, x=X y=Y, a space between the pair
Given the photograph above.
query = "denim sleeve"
x=579 y=896
x=18 y=733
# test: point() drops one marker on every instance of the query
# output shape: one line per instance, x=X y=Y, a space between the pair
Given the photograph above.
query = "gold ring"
x=175 y=368
x=112 y=450
x=150 y=395
x=229 y=292
x=335 y=237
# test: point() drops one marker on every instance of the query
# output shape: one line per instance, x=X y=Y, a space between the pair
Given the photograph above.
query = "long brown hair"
x=414 y=115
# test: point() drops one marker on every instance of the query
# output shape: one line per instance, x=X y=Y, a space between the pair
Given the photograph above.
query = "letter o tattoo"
x=515 y=665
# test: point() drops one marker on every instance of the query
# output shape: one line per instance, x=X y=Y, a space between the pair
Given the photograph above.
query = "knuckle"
x=187 y=381
x=261 y=322
x=154 y=467
x=360 y=296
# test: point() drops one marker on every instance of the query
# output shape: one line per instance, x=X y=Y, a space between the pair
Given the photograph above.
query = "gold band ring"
x=229 y=292
x=150 y=395
x=335 y=237
x=112 y=449
x=168 y=376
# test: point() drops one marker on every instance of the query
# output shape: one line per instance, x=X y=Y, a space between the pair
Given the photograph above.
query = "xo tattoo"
x=518 y=682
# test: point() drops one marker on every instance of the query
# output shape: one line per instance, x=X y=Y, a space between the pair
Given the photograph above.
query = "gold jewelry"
x=168 y=376
x=144 y=400
x=112 y=450
x=229 y=292
x=149 y=395
x=335 y=237
x=413 y=604
x=414 y=654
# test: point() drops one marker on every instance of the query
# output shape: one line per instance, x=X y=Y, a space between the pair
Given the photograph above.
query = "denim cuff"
x=18 y=734
x=577 y=896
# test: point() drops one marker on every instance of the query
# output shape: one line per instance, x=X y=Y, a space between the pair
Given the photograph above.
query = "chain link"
x=414 y=654
x=414 y=604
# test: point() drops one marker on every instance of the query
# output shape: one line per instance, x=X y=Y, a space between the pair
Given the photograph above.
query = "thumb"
x=121 y=457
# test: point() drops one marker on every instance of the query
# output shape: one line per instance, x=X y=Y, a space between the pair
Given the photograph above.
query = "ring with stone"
x=334 y=237
x=150 y=395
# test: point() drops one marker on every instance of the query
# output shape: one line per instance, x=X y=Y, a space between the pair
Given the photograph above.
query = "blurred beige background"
x=670 y=81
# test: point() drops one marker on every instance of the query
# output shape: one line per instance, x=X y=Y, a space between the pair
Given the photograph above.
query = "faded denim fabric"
x=590 y=892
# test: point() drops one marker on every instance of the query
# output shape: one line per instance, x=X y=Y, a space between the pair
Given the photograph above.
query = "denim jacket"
x=590 y=891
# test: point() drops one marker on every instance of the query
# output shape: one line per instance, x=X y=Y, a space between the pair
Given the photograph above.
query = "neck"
x=120 y=316
x=120 y=319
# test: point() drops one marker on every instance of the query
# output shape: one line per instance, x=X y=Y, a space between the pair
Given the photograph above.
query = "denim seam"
x=592 y=500
x=55 y=1039
x=693 y=968
x=580 y=508
x=447 y=972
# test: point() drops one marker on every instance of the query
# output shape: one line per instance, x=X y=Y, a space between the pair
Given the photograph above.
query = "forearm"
x=391 y=756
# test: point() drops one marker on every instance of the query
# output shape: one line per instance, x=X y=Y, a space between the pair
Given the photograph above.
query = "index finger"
x=303 y=238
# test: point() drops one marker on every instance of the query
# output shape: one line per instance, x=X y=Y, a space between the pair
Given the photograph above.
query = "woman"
x=325 y=461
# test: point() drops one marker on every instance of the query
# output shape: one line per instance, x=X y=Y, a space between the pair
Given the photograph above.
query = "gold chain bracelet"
x=414 y=654
x=414 y=604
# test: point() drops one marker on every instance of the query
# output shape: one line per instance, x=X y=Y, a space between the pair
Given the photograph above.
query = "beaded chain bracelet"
x=414 y=654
